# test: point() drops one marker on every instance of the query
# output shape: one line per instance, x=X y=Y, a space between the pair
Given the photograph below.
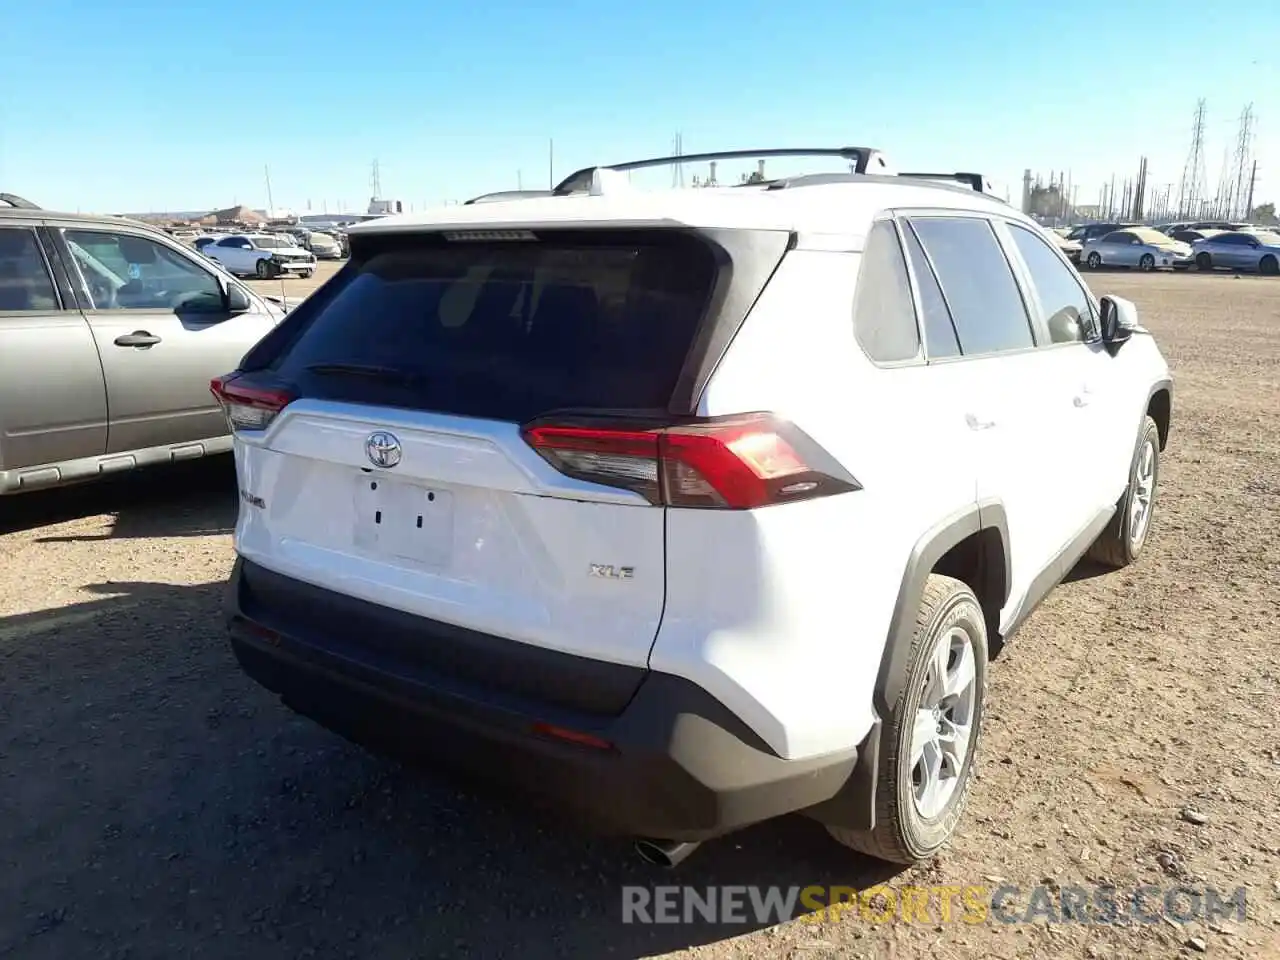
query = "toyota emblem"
x=383 y=449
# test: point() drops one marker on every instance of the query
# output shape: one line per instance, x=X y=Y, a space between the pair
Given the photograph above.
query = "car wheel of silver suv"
x=932 y=732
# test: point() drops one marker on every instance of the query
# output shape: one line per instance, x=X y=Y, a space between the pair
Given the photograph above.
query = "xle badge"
x=607 y=571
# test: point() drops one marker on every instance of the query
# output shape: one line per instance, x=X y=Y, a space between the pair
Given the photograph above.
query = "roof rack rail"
x=17 y=202
x=975 y=181
x=967 y=182
x=864 y=160
x=507 y=195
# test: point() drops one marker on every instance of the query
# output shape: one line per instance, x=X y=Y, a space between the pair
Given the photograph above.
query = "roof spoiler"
x=863 y=160
x=17 y=202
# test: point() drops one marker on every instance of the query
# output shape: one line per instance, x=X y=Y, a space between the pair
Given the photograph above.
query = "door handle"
x=139 y=338
x=1082 y=398
x=976 y=424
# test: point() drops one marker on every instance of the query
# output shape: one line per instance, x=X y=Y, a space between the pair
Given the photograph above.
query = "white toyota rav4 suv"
x=686 y=509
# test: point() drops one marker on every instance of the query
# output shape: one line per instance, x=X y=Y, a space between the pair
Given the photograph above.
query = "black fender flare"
x=855 y=805
x=929 y=549
x=1164 y=385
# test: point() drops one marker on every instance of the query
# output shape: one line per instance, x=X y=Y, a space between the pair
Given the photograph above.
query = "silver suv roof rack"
x=863 y=159
x=508 y=195
x=958 y=181
x=17 y=202
x=974 y=181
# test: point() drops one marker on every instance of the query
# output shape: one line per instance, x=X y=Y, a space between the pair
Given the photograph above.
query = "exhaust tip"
x=663 y=853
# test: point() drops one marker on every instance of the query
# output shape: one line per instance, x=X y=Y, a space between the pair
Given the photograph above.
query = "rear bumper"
x=679 y=765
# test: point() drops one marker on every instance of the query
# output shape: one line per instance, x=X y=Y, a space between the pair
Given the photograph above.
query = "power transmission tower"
x=1191 y=189
x=1222 y=200
x=1240 y=163
x=1253 y=179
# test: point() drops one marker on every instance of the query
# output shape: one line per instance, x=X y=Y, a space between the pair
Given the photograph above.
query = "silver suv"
x=109 y=334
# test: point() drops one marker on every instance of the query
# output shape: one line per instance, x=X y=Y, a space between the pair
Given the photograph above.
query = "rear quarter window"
x=884 y=317
x=509 y=330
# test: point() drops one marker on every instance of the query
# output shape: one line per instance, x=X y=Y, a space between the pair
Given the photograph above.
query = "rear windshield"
x=511 y=330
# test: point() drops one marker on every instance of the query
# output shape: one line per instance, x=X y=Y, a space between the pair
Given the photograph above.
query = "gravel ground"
x=156 y=803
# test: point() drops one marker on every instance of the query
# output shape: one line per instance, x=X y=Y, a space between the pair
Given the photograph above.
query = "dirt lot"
x=155 y=803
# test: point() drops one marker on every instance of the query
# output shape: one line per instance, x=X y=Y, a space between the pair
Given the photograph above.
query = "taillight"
x=735 y=463
x=248 y=407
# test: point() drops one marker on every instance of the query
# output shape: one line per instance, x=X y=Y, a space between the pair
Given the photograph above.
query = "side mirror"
x=237 y=300
x=1119 y=321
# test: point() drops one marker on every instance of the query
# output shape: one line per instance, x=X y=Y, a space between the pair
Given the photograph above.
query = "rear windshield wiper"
x=369 y=370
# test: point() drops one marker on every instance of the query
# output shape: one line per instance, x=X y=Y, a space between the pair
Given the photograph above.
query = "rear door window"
x=978 y=284
x=25 y=284
x=939 y=330
x=509 y=330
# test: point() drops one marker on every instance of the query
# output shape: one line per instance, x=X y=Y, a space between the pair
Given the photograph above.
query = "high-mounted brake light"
x=248 y=407
x=736 y=463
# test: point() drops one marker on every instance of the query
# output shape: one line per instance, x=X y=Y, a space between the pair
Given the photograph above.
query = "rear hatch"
x=384 y=447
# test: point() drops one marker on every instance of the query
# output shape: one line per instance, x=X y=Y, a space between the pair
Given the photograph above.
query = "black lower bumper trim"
x=680 y=766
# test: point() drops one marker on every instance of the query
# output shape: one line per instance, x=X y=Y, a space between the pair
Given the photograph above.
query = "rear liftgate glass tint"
x=510 y=329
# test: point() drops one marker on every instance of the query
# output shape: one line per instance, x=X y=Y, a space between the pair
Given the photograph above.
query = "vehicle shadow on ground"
x=155 y=802
x=1086 y=569
x=184 y=500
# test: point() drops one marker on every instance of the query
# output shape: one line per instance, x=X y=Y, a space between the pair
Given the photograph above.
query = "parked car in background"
x=1224 y=225
x=1090 y=231
x=109 y=333
x=1189 y=236
x=1070 y=248
x=324 y=246
x=261 y=255
x=1237 y=250
x=1140 y=248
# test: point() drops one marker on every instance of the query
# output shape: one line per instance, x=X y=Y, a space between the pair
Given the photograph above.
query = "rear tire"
x=1204 y=261
x=1121 y=543
x=950 y=643
x=1269 y=266
x=1094 y=261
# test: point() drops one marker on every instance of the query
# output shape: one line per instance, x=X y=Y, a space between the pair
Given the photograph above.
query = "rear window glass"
x=507 y=331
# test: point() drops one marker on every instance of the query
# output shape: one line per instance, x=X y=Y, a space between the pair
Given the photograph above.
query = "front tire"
x=264 y=269
x=1147 y=262
x=932 y=731
x=1269 y=266
x=1094 y=261
x=1204 y=261
x=1121 y=543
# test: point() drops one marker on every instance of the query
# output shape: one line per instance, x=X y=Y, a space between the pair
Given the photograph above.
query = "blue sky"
x=151 y=105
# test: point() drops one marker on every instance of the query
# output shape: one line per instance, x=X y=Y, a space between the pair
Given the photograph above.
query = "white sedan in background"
x=260 y=255
x=1140 y=247
x=324 y=246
